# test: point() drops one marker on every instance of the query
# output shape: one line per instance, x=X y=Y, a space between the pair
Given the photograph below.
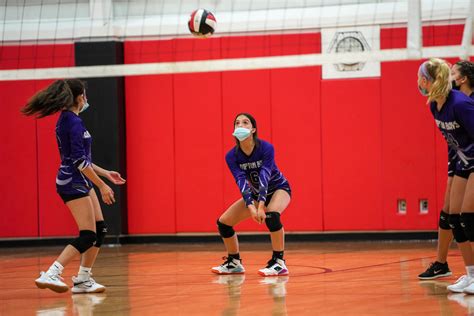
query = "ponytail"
x=61 y=94
x=437 y=71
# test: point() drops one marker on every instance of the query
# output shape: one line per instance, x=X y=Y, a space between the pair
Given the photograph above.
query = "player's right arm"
x=242 y=183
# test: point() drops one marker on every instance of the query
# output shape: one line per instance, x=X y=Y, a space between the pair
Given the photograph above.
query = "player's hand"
x=107 y=194
x=261 y=215
x=115 y=177
x=254 y=213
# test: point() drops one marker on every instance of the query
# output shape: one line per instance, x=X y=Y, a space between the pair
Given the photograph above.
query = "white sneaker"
x=461 y=283
x=230 y=266
x=275 y=267
x=470 y=288
x=51 y=281
x=87 y=286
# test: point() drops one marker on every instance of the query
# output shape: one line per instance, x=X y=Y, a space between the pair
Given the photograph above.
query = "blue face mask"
x=423 y=91
x=241 y=133
x=84 y=107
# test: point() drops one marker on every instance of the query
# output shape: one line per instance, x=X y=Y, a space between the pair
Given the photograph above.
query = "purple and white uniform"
x=74 y=143
x=257 y=175
x=456 y=123
x=452 y=155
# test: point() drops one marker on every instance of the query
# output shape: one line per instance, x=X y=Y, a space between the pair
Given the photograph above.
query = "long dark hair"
x=254 y=125
x=61 y=94
x=466 y=69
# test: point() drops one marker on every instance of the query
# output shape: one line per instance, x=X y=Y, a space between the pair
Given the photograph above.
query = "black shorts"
x=69 y=197
x=463 y=173
x=269 y=196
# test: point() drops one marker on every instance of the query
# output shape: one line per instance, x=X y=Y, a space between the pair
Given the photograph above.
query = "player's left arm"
x=112 y=176
x=265 y=173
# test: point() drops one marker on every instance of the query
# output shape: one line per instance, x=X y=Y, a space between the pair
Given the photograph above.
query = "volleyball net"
x=350 y=33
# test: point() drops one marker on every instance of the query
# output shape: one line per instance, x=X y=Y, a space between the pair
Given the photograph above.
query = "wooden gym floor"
x=358 y=278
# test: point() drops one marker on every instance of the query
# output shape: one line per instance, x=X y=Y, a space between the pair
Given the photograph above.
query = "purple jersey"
x=456 y=123
x=452 y=155
x=74 y=143
x=257 y=173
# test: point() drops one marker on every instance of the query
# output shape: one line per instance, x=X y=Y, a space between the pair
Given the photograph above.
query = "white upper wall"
x=67 y=20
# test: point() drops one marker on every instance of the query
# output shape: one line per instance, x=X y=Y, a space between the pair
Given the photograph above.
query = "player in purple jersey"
x=265 y=195
x=462 y=74
x=453 y=112
x=74 y=181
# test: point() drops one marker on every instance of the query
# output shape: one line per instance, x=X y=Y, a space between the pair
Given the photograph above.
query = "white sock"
x=56 y=268
x=470 y=271
x=84 y=273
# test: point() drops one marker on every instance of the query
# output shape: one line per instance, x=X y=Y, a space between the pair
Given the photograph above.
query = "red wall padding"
x=339 y=142
x=188 y=121
x=221 y=47
x=150 y=154
x=296 y=122
x=350 y=148
x=198 y=151
x=408 y=149
x=18 y=161
x=351 y=140
x=36 y=56
x=433 y=35
x=29 y=160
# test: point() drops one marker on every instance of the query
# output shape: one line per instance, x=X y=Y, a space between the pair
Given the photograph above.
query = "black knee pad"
x=444 y=220
x=225 y=231
x=273 y=221
x=467 y=221
x=101 y=230
x=86 y=239
x=458 y=230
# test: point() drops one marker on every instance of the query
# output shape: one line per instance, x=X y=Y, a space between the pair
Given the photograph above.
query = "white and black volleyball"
x=202 y=23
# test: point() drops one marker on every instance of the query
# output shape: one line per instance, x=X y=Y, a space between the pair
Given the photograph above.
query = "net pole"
x=467 y=34
x=414 y=32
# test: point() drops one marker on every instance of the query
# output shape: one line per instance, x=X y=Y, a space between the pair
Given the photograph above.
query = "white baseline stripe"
x=226 y=64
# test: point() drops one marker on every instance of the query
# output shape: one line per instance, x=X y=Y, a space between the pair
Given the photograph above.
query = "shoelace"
x=271 y=263
x=227 y=262
x=90 y=280
x=431 y=267
x=56 y=277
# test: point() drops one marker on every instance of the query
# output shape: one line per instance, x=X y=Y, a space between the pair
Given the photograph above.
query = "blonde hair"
x=437 y=71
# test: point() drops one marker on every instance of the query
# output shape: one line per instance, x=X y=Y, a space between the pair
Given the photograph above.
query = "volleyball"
x=202 y=23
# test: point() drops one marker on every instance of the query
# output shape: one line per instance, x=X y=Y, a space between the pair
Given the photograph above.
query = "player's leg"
x=456 y=199
x=467 y=219
x=84 y=283
x=440 y=267
x=236 y=213
x=83 y=213
x=279 y=201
